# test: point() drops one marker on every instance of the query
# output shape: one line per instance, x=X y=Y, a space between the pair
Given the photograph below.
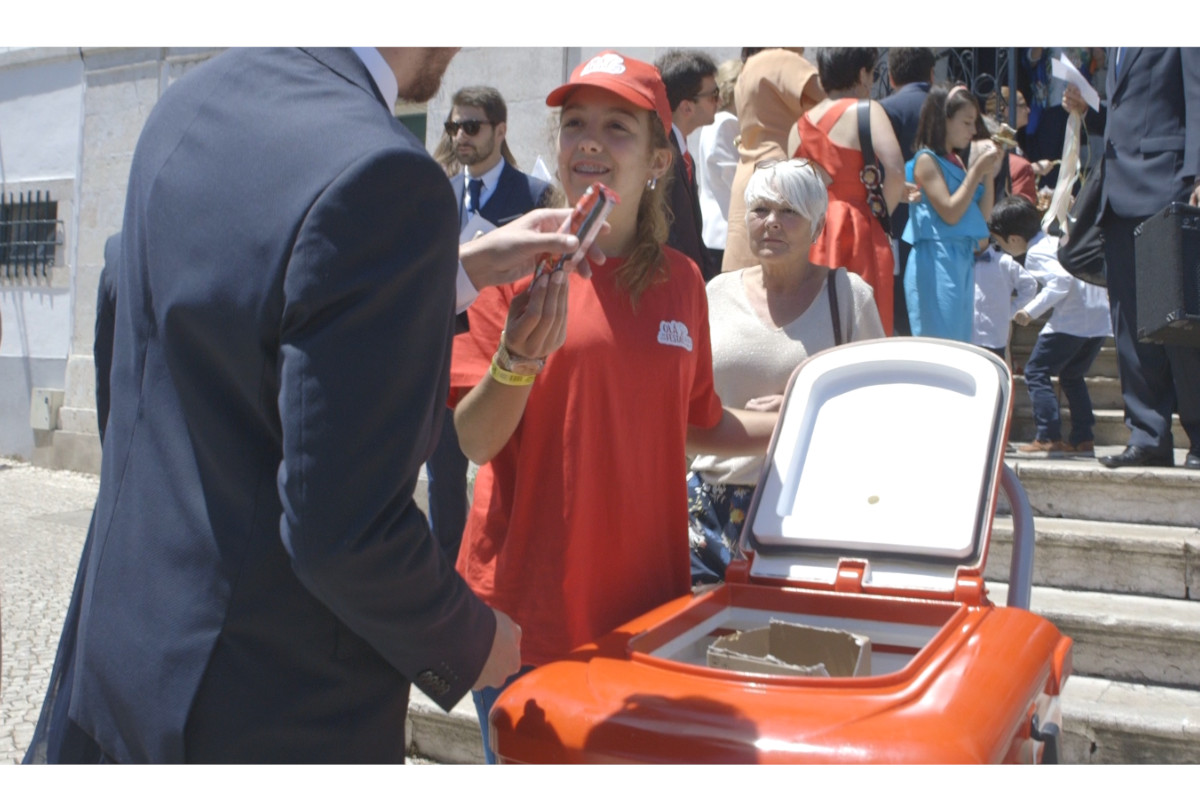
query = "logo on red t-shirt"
x=674 y=333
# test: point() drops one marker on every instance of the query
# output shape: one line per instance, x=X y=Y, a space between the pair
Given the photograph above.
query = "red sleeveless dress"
x=852 y=237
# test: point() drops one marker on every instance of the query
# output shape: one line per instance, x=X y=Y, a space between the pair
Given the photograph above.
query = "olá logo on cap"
x=611 y=63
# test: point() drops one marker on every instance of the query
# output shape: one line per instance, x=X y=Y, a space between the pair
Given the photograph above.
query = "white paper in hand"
x=1063 y=69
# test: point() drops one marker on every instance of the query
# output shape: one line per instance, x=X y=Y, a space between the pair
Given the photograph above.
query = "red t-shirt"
x=580 y=522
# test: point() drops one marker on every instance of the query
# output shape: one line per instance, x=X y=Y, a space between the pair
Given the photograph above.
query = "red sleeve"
x=1023 y=181
x=474 y=348
x=704 y=405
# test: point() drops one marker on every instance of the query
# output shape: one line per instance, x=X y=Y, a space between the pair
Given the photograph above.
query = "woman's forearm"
x=487 y=417
x=738 y=433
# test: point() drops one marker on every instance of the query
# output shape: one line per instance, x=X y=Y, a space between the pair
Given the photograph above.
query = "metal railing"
x=30 y=235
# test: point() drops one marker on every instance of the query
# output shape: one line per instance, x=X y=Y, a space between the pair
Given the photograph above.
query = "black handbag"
x=1081 y=249
x=872 y=172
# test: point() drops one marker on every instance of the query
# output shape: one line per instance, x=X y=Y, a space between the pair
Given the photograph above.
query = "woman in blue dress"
x=950 y=218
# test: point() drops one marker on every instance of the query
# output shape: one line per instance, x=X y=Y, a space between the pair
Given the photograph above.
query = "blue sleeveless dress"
x=939 y=281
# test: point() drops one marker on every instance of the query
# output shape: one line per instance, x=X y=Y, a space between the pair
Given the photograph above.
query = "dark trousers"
x=1155 y=379
x=715 y=257
x=1069 y=357
x=447 y=473
x=900 y=324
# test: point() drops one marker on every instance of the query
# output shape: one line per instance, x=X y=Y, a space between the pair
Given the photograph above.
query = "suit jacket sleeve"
x=1190 y=56
x=365 y=336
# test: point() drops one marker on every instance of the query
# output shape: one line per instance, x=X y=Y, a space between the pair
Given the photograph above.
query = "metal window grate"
x=30 y=234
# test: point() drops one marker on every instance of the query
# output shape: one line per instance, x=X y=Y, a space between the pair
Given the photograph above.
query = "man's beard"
x=474 y=155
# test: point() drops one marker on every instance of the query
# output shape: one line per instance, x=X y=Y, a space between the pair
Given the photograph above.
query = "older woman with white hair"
x=764 y=320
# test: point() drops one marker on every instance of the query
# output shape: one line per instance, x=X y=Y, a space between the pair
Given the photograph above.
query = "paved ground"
x=44 y=516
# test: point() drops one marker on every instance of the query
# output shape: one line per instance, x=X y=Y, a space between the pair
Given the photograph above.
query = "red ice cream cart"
x=870 y=525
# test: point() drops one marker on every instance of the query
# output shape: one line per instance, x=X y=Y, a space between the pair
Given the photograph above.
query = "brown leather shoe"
x=1088 y=447
x=1039 y=446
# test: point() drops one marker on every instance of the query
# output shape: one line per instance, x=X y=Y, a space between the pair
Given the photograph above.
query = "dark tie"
x=474 y=187
x=691 y=168
x=1117 y=65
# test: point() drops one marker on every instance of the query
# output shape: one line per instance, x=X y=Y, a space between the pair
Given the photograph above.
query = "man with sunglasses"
x=691 y=80
x=489 y=186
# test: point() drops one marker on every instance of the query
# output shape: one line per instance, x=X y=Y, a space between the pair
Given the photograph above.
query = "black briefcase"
x=1167 y=260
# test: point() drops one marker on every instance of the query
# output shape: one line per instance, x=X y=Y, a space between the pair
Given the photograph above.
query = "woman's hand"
x=771 y=402
x=988 y=159
x=912 y=193
x=537 y=318
x=1073 y=100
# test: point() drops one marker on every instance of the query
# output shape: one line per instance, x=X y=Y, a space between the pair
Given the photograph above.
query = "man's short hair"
x=482 y=97
x=1015 y=215
x=910 y=64
x=839 y=67
x=683 y=72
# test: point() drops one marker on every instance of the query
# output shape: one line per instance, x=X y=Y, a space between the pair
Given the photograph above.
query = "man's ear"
x=501 y=131
x=660 y=161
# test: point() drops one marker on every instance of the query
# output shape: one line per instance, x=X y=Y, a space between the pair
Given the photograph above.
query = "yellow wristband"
x=509 y=378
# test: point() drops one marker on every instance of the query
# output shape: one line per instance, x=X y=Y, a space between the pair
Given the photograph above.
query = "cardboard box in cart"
x=872 y=517
x=784 y=648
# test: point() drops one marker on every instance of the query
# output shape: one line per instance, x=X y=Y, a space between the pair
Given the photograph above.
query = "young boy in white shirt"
x=1001 y=289
x=1069 y=342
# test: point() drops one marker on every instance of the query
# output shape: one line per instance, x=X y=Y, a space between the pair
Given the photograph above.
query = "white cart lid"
x=889 y=452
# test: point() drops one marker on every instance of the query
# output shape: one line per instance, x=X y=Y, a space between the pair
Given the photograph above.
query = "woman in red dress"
x=828 y=136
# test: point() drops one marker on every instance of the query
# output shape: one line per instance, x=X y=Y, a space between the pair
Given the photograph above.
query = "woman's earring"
x=650 y=184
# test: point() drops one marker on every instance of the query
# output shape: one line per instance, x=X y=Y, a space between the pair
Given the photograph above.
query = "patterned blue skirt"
x=715 y=517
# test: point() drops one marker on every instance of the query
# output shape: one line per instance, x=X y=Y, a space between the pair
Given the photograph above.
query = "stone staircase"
x=1116 y=567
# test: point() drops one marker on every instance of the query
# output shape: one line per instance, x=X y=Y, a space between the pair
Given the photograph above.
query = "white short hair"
x=793 y=183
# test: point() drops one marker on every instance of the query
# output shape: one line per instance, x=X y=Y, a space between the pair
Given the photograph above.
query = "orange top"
x=852 y=237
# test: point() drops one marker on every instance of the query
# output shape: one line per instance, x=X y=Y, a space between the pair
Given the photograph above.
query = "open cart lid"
x=887 y=452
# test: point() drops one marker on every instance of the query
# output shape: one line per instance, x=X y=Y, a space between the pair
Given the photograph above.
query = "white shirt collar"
x=381 y=73
x=489 y=178
x=679 y=137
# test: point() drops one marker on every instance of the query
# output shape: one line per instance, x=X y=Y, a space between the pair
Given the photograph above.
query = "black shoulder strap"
x=864 y=131
x=834 y=311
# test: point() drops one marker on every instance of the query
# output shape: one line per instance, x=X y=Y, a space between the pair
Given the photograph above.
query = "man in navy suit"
x=257 y=584
x=1151 y=158
x=910 y=72
x=492 y=187
x=691 y=80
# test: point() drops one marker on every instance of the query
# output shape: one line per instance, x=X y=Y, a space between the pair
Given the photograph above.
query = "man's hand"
x=1195 y=198
x=506 y=254
x=505 y=656
x=1022 y=317
x=1073 y=100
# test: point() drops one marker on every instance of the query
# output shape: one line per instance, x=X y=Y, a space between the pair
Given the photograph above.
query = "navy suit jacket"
x=1152 y=132
x=515 y=194
x=259 y=584
x=106 y=310
x=686 y=234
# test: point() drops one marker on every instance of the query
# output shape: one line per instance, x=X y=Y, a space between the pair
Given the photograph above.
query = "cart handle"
x=1020 y=571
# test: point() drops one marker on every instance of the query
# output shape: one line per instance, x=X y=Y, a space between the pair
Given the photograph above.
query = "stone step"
x=1109 y=428
x=1109 y=722
x=1077 y=487
x=1113 y=557
x=1147 y=640
x=1104 y=722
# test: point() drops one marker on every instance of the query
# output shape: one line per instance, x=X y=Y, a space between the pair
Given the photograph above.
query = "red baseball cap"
x=633 y=80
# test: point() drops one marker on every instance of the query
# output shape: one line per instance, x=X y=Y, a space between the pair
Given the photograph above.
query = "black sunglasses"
x=714 y=93
x=471 y=126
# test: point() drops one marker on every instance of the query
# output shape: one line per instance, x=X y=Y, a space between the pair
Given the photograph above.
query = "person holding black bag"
x=851 y=140
x=1151 y=158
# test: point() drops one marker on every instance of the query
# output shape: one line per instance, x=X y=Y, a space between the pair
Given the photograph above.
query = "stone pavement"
x=44 y=516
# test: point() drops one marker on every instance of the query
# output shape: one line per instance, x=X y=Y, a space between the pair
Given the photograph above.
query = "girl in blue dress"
x=950 y=217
